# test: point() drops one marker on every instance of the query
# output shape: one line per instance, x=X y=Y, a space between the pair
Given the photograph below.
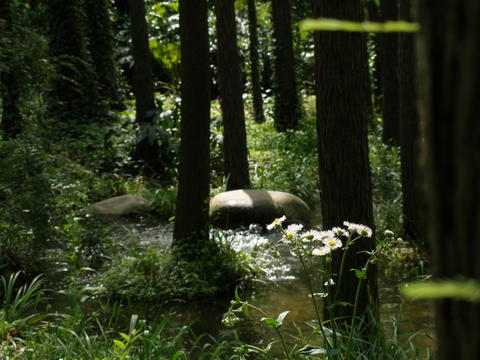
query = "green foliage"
x=387 y=188
x=26 y=197
x=284 y=161
x=86 y=336
x=17 y=305
x=152 y=274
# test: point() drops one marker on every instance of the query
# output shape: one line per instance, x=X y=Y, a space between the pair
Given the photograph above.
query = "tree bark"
x=376 y=76
x=191 y=219
x=287 y=110
x=413 y=204
x=101 y=49
x=254 y=63
x=388 y=53
x=343 y=105
x=229 y=77
x=74 y=97
x=147 y=149
x=449 y=77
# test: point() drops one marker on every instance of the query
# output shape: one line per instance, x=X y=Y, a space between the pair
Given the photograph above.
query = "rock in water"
x=122 y=205
x=235 y=208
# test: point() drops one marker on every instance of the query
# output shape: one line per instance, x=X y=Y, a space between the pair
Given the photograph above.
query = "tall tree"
x=100 y=45
x=287 y=108
x=413 y=205
x=74 y=97
x=259 y=116
x=388 y=53
x=11 y=121
x=191 y=218
x=376 y=75
x=449 y=77
x=343 y=104
x=147 y=149
x=229 y=78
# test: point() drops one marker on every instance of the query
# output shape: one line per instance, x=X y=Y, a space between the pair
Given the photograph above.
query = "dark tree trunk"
x=254 y=63
x=11 y=121
x=100 y=45
x=147 y=149
x=388 y=53
x=343 y=103
x=229 y=78
x=413 y=205
x=191 y=219
x=74 y=98
x=376 y=74
x=449 y=79
x=287 y=110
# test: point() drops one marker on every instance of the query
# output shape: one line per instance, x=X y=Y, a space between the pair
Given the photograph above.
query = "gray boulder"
x=235 y=208
x=122 y=205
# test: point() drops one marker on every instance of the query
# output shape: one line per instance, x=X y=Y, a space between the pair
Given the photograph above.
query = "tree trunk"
x=449 y=79
x=388 y=53
x=74 y=97
x=254 y=63
x=376 y=75
x=147 y=149
x=343 y=103
x=229 y=78
x=191 y=219
x=413 y=205
x=11 y=121
x=287 y=110
x=102 y=50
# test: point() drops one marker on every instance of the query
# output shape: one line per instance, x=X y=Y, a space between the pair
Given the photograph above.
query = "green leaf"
x=468 y=290
x=324 y=24
x=360 y=274
x=119 y=344
x=269 y=321
x=125 y=337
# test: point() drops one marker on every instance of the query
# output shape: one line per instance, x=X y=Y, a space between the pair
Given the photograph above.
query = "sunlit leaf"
x=468 y=290
x=324 y=24
x=281 y=317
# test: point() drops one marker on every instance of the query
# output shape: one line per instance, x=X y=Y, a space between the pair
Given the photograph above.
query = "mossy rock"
x=122 y=205
x=235 y=208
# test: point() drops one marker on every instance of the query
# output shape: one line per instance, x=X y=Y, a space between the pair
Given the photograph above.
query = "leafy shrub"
x=27 y=203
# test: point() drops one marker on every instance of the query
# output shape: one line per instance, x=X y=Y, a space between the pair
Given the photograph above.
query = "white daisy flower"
x=276 y=222
x=332 y=242
x=322 y=251
x=338 y=231
x=358 y=228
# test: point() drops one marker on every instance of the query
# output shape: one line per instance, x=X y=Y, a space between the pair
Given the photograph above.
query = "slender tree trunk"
x=229 y=77
x=449 y=77
x=388 y=53
x=343 y=103
x=147 y=149
x=191 y=219
x=11 y=121
x=413 y=205
x=101 y=49
x=287 y=110
x=74 y=97
x=376 y=81
x=255 y=63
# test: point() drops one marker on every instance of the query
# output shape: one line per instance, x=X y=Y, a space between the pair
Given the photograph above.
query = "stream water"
x=281 y=288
